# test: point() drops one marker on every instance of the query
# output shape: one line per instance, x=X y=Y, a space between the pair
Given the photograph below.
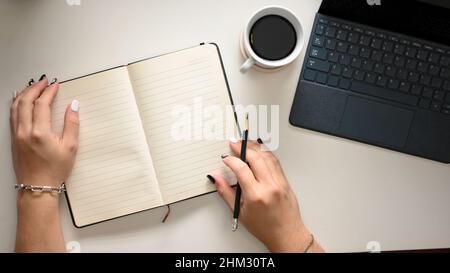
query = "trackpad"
x=371 y=121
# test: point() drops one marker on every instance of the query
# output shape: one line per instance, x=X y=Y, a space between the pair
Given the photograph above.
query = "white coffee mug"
x=252 y=57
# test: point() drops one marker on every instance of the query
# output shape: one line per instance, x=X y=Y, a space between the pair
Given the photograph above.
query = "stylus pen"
x=237 y=200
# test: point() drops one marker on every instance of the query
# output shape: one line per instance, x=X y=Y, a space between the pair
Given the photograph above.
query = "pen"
x=237 y=200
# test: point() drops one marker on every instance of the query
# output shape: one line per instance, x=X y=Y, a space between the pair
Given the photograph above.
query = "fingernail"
x=54 y=80
x=233 y=140
x=75 y=105
x=14 y=94
x=42 y=77
x=211 y=179
x=31 y=82
x=224 y=156
x=260 y=141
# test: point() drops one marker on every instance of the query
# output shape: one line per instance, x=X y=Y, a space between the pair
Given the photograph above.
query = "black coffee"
x=273 y=37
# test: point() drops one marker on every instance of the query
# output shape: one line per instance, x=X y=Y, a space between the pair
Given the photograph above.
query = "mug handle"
x=247 y=65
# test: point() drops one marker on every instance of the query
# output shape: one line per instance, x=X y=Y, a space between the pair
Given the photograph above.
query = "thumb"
x=71 y=125
x=225 y=190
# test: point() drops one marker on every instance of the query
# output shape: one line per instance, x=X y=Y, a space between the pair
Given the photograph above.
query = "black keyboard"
x=379 y=64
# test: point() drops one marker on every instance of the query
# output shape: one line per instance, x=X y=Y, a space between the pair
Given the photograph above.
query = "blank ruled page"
x=189 y=81
x=113 y=174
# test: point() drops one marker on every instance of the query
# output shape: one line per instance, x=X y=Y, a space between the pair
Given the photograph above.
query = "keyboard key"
x=422 y=55
x=320 y=29
x=433 y=58
x=399 y=61
x=342 y=35
x=376 y=43
x=377 y=55
x=447 y=98
x=378 y=68
x=318 y=65
x=310 y=75
x=422 y=67
x=439 y=95
x=436 y=106
x=391 y=71
x=336 y=69
x=353 y=37
x=425 y=79
x=413 y=76
x=342 y=47
x=436 y=82
x=364 y=40
x=425 y=103
x=427 y=92
x=387 y=46
x=393 y=83
x=411 y=52
x=365 y=52
x=344 y=84
x=388 y=58
x=445 y=73
x=399 y=49
x=405 y=86
x=446 y=86
x=446 y=109
x=353 y=49
x=333 y=81
x=371 y=77
x=433 y=70
x=356 y=62
x=367 y=65
x=359 y=75
x=411 y=64
x=382 y=81
x=333 y=57
x=402 y=74
x=384 y=93
x=344 y=59
x=322 y=78
x=445 y=61
x=319 y=53
x=347 y=72
x=330 y=44
x=416 y=89
x=318 y=41
x=330 y=32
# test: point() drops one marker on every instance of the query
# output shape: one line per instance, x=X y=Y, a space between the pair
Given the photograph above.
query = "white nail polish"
x=233 y=140
x=75 y=105
x=15 y=94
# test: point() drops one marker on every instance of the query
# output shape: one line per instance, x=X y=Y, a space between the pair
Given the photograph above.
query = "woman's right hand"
x=269 y=208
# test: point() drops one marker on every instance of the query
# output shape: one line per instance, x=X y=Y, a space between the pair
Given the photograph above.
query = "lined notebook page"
x=113 y=173
x=182 y=79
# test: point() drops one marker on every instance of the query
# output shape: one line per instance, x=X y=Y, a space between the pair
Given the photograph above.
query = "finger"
x=256 y=161
x=225 y=190
x=13 y=110
x=42 y=115
x=26 y=104
x=242 y=171
x=71 y=126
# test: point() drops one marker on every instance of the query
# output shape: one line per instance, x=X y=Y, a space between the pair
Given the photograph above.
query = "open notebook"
x=128 y=160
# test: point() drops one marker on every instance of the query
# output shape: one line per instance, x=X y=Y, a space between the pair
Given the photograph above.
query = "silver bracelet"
x=46 y=189
x=310 y=244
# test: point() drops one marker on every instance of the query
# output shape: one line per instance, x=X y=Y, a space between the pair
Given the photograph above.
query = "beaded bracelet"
x=46 y=189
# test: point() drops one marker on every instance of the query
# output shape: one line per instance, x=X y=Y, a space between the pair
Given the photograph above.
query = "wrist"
x=297 y=240
x=37 y=200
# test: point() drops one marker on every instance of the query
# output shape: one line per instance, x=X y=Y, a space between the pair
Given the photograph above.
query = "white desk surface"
x=350 y=193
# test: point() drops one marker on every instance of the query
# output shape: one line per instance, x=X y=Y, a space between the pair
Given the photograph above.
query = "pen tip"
x=246 y=121
x=235 y=224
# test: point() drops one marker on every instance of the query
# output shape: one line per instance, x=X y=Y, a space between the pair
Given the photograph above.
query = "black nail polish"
x=211 y=179
x=30 y=82
x=224 y=156
x=42 y=77
x=260 y=141
x=54 y=81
